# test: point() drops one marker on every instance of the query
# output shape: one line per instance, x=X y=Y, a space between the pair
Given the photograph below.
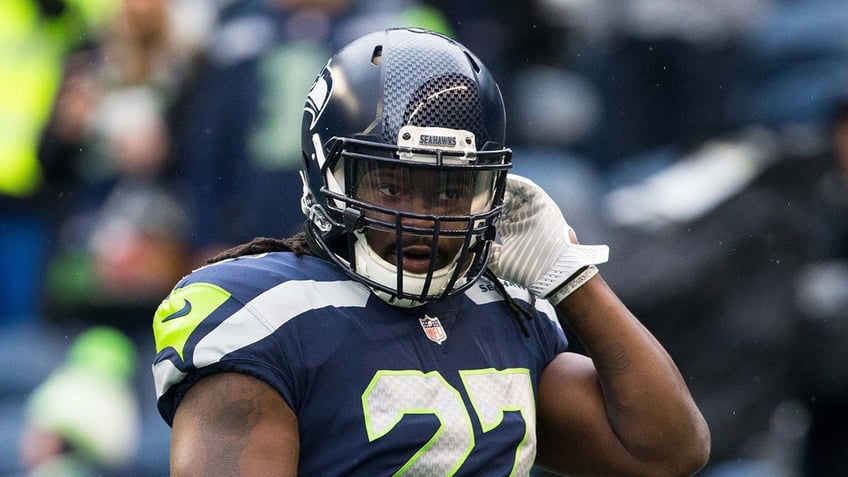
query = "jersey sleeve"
x=202 y=328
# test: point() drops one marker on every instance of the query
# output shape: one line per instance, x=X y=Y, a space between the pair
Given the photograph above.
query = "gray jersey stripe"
x=272 y=309
x=259 y=318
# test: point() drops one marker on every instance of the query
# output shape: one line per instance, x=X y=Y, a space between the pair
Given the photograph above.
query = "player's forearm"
x=648 y=404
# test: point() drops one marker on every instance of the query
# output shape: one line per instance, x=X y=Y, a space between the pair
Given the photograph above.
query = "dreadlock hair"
x=296 y=244
x=518 y=311
x=299 y=245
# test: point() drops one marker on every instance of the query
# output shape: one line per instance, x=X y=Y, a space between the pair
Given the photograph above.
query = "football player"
x=416 y=325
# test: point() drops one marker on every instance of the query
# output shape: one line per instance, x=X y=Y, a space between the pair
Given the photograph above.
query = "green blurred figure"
x=83 y=420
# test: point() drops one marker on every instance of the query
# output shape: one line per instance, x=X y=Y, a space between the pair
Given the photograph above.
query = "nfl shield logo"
x=433 y=329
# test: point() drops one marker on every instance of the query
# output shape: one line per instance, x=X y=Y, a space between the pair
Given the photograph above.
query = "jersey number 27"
x=393 y=394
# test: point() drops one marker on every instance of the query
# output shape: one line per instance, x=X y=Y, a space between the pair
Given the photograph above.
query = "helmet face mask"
x=402 y=198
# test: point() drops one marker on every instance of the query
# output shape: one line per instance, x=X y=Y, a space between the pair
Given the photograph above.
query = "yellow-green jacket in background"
x=33 y=45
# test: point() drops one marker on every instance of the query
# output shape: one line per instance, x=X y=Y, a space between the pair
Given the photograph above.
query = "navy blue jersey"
x=444 y=389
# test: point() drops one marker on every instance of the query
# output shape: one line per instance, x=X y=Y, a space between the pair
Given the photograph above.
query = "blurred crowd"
x=706 y=141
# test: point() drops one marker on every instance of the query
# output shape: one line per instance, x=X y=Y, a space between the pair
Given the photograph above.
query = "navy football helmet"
x=405 y=164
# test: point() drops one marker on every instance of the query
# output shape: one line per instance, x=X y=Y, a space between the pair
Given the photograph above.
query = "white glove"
x=535 y=249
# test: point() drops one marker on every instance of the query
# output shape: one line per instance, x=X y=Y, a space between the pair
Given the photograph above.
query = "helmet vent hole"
x=377 y=56
x=473 y=62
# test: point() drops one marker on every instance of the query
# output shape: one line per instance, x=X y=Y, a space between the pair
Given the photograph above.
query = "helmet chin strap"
x=369 y=264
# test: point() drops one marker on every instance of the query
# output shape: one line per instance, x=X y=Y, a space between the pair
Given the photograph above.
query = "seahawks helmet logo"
x=319 y=95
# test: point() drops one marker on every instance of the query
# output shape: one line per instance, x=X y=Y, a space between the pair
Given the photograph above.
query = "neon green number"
x=393 y=394
x=492 y=392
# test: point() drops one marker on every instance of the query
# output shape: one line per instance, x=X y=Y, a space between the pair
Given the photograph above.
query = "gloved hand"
x=535 y=249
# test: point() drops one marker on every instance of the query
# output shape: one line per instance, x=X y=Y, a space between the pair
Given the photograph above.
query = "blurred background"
x=706 y=141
